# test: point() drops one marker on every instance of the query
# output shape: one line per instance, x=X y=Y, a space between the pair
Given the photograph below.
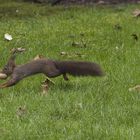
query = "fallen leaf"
x=21 y=111
x=117 y=47
x=79 y=54
x=135 y=37
x=72 y=54
x=81 y=44
x=76 y=44
x=21 y=49
x=16 y=50
x=8 y=37
x=82 y=34
x=117 y=27
x=136 y=88
x=45 y=86
x=48 y=81
x=63 y=53
x=45 y=89
x=136 y=13
x=17 y=11
x=38 y=57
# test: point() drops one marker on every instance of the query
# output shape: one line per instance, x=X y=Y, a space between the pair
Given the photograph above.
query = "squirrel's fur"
x=50 y=68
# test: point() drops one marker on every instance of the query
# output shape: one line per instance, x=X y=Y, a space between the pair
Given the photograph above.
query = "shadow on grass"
x=73 y=86
x=27 y=10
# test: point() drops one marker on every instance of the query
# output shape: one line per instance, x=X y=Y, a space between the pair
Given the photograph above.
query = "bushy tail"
x=76 y=68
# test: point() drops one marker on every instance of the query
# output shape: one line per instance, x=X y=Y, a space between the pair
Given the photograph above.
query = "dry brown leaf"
x=38 y=57
x=135 y=88
x=16 y=50
x=136 y=13
x=21 y=111
x=135 y=37
x=72 y=54
x=117 y=27
x=48 y=81
x=45 y=88
x=76 y=44
x=63 y=53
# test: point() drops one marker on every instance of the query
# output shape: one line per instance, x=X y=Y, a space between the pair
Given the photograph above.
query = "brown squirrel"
x=50 y=68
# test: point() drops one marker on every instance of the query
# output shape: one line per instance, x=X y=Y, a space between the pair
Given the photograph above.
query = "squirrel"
x=50 y=68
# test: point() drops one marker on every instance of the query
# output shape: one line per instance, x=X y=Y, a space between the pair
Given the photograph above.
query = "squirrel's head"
x=8 y=68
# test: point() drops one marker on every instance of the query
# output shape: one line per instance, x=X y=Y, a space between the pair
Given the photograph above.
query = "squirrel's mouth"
x=3 y=75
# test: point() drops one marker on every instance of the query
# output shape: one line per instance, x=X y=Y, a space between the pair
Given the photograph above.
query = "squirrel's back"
x=77 y=68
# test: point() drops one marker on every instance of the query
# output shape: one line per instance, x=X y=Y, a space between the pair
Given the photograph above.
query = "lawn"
x=85 y=108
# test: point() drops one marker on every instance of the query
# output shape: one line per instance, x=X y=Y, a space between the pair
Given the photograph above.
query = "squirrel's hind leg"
x=65 y=77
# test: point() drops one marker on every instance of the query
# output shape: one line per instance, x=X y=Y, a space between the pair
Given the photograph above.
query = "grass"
x=83 y=108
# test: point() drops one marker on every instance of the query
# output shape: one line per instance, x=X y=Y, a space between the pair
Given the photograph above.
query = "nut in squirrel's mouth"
x=3 y=76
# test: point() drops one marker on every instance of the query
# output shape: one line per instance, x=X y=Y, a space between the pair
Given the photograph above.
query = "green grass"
x=84 y=108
